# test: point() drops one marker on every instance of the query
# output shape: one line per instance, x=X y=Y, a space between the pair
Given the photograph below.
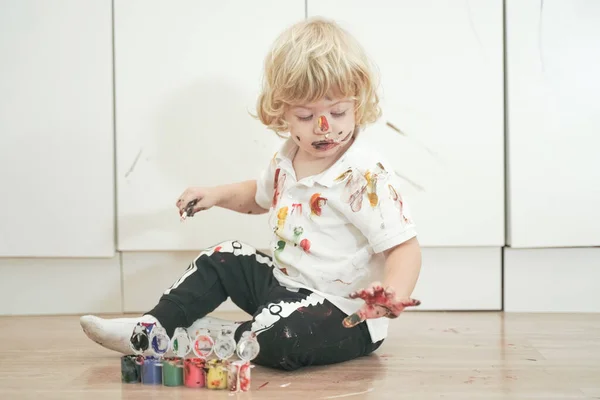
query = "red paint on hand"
x=380 y=302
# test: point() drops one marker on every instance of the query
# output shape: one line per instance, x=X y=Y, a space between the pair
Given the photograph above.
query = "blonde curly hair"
x=310 y=60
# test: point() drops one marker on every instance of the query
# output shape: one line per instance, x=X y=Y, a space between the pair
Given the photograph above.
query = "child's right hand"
x=195 y=199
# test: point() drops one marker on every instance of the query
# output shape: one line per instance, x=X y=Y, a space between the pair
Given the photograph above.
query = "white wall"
x=442 y=78
x=552 y=280
x=56 y=129
x=553 y=92
x=186 y=75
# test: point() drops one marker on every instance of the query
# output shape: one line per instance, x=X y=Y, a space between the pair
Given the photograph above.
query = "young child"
x=339 y=223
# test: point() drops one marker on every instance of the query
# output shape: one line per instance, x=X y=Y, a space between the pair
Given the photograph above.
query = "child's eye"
x=340 y=114
x=304 y=118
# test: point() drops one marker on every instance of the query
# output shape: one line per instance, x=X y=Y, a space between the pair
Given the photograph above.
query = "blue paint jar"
x=152 y=371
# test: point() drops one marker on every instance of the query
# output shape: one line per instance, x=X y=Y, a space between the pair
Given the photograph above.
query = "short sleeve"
x=372 y=202
x=265 y=186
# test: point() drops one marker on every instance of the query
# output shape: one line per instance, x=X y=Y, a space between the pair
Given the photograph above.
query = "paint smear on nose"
x=323 y=124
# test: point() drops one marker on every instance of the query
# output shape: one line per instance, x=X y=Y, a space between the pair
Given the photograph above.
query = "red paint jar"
x=194 y=375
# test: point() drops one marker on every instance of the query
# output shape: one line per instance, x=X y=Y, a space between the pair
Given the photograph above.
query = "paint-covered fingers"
x=369 y=294
x=195 y=199
x=380 y=302
x=366 y=312
x=410 y=302
x=353 y=319
x=396 y=307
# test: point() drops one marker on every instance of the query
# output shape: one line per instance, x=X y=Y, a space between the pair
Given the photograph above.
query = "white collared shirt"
x=330 y=229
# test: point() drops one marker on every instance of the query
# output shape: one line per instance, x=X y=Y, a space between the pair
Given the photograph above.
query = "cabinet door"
x=441 y=66
x=56 y=129
x=553 y=92
x=187 y=78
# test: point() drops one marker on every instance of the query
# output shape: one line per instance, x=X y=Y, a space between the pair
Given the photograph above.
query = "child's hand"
x=196 y=199
x=380 y=302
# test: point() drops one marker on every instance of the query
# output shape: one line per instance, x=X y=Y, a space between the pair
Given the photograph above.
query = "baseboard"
x=552 y=280
x=132 y=282
x=451 y=278
x=39 y=286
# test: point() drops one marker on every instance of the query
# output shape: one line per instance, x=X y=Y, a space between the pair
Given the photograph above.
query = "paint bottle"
x=152 y=371
x=203 y=344
x=159 y=341
x=131 y=368
x=225 y=344
x=238 y=376
x=248 y=346
x=194 y=375
x=139 y=341
x=181 y=344
x=216 y=377
x=172 y=371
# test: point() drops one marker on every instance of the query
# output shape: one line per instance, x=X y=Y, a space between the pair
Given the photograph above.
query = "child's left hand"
x=380 y=302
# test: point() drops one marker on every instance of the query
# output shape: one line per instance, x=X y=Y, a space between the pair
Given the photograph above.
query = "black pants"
x=294 y=329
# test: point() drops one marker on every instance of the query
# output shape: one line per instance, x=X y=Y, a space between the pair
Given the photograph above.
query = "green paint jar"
x=172 y=371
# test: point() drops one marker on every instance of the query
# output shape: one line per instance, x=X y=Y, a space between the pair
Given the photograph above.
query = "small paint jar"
x=248 y=346
x=216 y=377
x=159 y=341
x=131 y=368
x=172 y=371
x=194 y=375
x=138 y=342
x=152 y=371
x=238 y=377
x=181 y=344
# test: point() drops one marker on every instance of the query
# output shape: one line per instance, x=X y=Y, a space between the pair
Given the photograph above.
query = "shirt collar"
x=327 y=178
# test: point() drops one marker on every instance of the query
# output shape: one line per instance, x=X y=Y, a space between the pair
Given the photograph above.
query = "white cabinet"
x=553 y=96
x=187 y=78
x=552 y=280
x=441 y=65
x=56 y=129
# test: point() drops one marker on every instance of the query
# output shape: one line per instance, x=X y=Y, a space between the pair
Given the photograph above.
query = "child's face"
x=322 y=129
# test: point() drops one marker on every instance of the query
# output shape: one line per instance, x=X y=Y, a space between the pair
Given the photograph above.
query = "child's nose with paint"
x=323 y=123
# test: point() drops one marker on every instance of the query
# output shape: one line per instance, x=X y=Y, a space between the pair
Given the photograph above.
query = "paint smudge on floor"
x=349 y=394
x=450 y=330
x=263 y=385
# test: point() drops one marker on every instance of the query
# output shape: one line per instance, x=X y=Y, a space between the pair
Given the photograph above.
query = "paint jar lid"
x=248 y=347
x=139 y=341
x=181 y=344
x=203 y=344
x=225 y=345
x=159 y=341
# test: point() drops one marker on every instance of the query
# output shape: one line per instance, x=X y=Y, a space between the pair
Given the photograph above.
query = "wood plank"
x=457 y=355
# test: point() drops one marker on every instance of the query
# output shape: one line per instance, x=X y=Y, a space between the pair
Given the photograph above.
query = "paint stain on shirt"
x=317 y=202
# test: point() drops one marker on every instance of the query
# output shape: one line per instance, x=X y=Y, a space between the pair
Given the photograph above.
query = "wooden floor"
x=427 y=356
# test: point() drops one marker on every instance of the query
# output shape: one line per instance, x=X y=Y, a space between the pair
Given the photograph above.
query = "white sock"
x=113 y=333
x=213 y=325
